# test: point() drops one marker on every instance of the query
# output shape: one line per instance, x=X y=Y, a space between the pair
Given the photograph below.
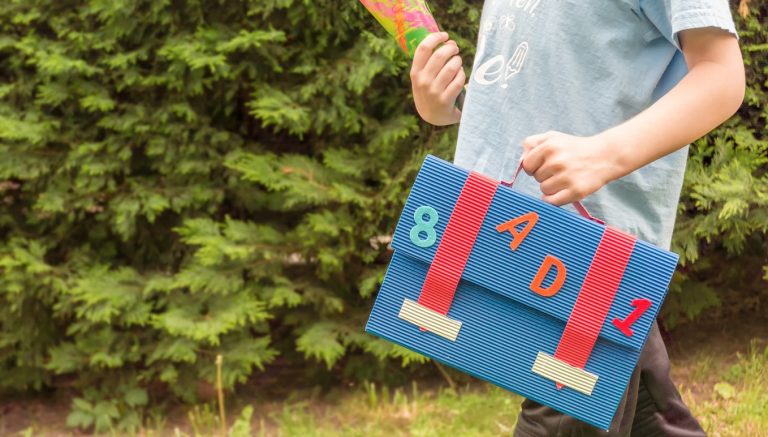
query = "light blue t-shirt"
x=581 y=67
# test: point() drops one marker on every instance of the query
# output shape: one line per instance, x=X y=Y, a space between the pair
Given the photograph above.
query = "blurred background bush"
x=182 y=179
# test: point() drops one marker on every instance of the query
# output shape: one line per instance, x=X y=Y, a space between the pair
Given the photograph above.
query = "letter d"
x=546 y=265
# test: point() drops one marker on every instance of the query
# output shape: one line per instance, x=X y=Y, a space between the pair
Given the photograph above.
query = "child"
x=598 y=100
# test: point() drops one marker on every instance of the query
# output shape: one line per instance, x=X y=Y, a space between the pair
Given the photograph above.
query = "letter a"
x=549 y=262
x=529 y=219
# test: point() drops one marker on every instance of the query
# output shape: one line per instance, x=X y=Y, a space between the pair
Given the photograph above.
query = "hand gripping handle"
x=578 y=205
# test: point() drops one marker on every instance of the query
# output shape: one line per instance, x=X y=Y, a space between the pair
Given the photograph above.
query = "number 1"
x=641 y=306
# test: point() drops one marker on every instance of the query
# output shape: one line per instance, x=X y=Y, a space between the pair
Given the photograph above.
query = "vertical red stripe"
x=595 y=297
x=400 y=25
x=456 y=243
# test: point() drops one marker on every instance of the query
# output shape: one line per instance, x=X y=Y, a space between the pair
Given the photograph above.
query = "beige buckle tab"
x=430 y=320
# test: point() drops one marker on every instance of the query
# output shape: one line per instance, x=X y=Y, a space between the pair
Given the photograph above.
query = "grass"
x=727 y=393
x=733 y=402
x=730 y=399
x=738 y=402
x=375 y=412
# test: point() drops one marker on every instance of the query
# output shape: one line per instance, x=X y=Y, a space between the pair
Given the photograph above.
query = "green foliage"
x=119 y=411
x=182 y=180
x=186 y=179
x=722 y=228
x=242 y=425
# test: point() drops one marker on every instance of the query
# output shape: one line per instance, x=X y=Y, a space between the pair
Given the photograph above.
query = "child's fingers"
x=530 y=145
x=551 y=185
x=454 y=88
x=544 y=173
x=560 y=198
x=447 y=73
x=425 y=49
x=534 y=140
x=533 y=159
x=438 y=60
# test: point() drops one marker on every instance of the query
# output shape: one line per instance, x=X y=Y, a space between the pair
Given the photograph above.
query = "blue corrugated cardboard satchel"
x=534 y=298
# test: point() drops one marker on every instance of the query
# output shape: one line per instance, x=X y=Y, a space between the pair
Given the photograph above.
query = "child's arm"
x=437 y=79
x=570 y=168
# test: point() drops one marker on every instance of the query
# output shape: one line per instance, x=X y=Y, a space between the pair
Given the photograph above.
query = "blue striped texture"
x=498 y=342
x=505 y=324
x=559 y=232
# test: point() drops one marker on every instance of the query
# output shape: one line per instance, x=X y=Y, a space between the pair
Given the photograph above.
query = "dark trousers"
x=651 y=405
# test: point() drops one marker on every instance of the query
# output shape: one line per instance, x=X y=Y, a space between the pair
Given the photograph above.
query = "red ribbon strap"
x=456 y=244
x=595 y=298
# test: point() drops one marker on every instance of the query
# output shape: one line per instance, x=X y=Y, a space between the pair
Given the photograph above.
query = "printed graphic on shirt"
x=500 y=68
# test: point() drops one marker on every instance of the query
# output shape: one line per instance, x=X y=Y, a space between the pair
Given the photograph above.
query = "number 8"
x=427 y=227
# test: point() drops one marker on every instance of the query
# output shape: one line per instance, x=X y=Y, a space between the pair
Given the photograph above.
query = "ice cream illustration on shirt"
x=499 y=69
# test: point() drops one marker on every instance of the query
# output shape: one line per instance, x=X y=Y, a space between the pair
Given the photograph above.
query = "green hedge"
x=185 y=179
x=722 y=227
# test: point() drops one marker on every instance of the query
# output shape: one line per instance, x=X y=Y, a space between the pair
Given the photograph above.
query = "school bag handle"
x=578 y=205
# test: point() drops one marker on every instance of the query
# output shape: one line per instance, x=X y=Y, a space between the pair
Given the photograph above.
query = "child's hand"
x=437 y=78
x=569 y=168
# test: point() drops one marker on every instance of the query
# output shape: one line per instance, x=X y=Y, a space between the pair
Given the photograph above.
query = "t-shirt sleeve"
x=671 y=17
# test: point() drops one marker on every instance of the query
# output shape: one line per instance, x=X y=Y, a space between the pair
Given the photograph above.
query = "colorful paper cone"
x=408 y=21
